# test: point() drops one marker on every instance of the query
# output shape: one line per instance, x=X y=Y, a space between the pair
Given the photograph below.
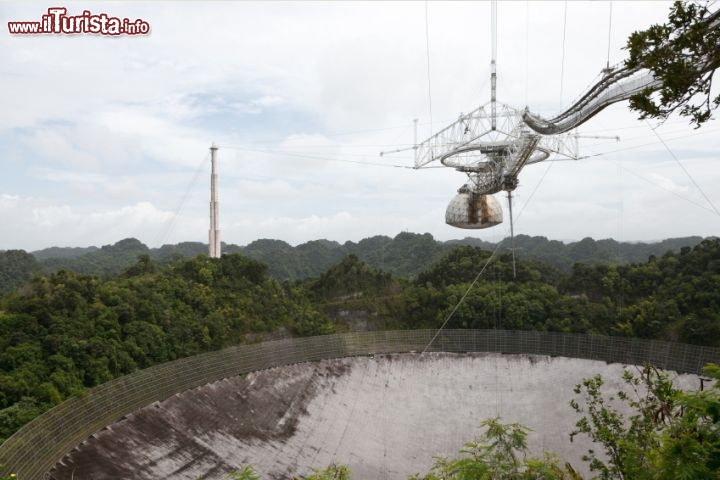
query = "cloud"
x=668 y=183
x=54 y=143
x=103 y=130
x=341 y=226
x=34 y=219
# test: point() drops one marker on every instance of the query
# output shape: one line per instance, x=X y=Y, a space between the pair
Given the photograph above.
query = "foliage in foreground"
x=670 y=434
x=333 y=472
x=500 y=454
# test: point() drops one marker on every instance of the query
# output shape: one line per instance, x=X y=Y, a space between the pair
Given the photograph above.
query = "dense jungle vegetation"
x=406 y=255
x=63 y=332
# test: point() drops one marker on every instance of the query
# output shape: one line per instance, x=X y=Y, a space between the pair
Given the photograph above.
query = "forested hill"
x=406 y=255
x=64 y=332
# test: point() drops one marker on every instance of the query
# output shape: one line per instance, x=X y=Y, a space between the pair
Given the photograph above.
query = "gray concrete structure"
x=384 y=416
x=41 y=444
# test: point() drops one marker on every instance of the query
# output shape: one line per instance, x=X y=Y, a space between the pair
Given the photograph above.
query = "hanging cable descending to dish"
x=427 y=50
x=493 y=64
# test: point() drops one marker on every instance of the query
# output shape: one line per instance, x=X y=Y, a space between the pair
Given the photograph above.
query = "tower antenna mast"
x=493 y=64
x=214 y=240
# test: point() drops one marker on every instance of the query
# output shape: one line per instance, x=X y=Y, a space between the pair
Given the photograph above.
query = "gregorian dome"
x=469 y=209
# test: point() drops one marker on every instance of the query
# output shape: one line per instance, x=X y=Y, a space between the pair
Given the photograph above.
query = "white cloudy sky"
x=103 y=138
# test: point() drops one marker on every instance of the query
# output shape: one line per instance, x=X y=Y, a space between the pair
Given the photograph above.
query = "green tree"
x=12 y=476
x=245 y=473
x=690 y=446
x=65 y=332
x=668 y=434
x=500 y=454
x=333 y=472
x=683 y=54
x=16 y=268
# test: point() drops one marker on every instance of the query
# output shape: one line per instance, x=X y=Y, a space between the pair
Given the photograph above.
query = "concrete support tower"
x=214 y=227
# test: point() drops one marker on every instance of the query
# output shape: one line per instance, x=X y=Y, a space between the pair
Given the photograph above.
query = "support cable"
x=642 y=145
x=512 y=232
x=462 y=299
x=660 y=186
x=315 y=157
x=169 y=226
x=532 y=194
x=497 y=303
x=493 y=64
x=527 y=49
x=351 y=416
x=619 y=266
x=427 y=50
x=493 y=85
x=607 y=65
x=562 y=63
x=672 y=154
x=638 y=175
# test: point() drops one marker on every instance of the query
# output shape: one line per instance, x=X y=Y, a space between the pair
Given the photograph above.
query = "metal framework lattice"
x=492 y=149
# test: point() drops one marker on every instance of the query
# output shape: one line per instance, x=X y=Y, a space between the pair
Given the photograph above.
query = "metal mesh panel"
x=35 y=448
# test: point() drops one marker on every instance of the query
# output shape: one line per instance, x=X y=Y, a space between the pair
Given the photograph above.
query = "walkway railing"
x=34 y=449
